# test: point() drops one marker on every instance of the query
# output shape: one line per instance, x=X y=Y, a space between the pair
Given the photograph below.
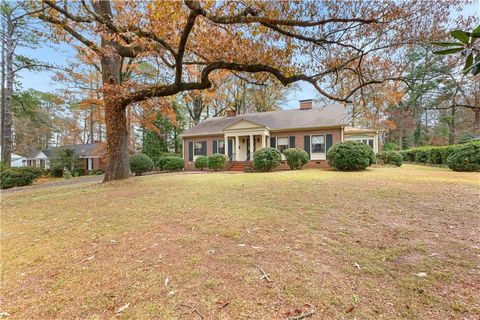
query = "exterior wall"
x=299 y=143
x=189 y=165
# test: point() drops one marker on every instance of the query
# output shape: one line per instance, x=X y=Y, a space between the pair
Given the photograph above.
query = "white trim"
x=199 y=141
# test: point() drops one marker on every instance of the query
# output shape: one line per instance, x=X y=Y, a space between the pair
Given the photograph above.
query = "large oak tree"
x=312 y=41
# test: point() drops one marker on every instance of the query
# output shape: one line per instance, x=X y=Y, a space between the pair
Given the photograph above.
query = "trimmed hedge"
x=465 y=158
x=16 y=177
x=173 y=164
x=350 y=156
x=217 y=161
x=390 y=157
x=266 y=159
x=201 y=162
x=296 y=158
x=140 y=163
x=434 y=155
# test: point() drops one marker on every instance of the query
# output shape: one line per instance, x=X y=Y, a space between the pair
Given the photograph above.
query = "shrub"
x=161 y=160
x=296 y=158
x=266 y=159
x=390 y=157
x=217 y=161
x=201 y=162
x=35 y=172
x=15 y=177
x=173 y=164
x=140 y=163
x=390 y=146
x=55 y=171
x=465 y=158
x=67 y=174
x=422 y=155
x=350 y=156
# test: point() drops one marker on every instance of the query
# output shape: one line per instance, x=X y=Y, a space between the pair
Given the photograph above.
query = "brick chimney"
x=306 y=104
x=231 y=113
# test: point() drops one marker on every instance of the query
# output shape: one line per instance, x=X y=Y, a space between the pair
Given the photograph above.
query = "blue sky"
x=59 y=54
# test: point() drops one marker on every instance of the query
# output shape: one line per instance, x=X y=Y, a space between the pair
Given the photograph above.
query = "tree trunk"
x=451 y=125
x=3 y=90
x=476 y=122
x=7 y=113
x=118 y=166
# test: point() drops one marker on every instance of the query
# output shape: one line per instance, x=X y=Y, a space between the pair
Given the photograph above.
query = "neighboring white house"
x=17 y=160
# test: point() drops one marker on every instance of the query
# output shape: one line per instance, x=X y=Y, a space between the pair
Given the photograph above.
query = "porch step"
x=240 y=165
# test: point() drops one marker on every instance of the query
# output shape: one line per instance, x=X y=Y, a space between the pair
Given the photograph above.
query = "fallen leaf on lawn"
x=350 y=308
x=420 y=274
x=171 y=294
x=123 y=308
x=356 y=265
x=241 y=245
x=4 y=314
x=167 y=281
x=88 y=259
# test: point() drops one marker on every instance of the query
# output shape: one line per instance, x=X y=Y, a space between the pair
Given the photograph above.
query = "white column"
x=252 y=146
x=263 y=140
x=237 y=144
x=226 y=146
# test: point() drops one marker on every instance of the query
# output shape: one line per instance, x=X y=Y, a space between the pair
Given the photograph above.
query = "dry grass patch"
x=344 y=244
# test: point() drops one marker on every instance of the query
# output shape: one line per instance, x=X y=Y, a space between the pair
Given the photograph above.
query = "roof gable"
x=244 y=124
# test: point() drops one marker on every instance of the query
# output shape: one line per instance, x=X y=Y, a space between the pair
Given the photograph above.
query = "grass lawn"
x=384 y=243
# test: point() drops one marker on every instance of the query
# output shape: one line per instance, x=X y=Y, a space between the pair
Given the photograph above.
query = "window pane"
x=318 y=144
x=282 y=141
x=197 y=149
x=318 y=139
x=370 y=143
x=221 y=146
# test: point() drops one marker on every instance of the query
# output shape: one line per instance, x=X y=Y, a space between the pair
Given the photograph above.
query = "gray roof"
x=328 y=116
x=81 y=150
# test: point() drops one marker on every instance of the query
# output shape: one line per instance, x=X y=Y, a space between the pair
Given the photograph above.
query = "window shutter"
x=230 y=149
x=306 y=145
x=292 y=142
x=204 y=148
x=214 y=146
x=190 y=151
x=273 y=142
x=329 y=142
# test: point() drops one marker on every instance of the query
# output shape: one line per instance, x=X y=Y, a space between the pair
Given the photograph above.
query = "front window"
x=282 y=144
x=197 y=149
x=318 y=144
x=221 y=146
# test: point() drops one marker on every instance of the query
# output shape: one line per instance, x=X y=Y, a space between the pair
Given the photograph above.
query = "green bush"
x=465 y=158
x=422 y=155
x=390 y=146
x=217 y=161
x=266 y=159
x=161 y=160
x=201 y=162
x=140 y=163
x=15 y=177
x=173 y=164
x=35 y=172
x=296 y=158
x=350 y=156
x=390 y=157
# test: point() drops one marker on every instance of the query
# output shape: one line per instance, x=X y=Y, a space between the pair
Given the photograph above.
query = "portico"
x=244 y=138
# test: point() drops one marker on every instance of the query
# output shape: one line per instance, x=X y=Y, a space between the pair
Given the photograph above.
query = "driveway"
x=73 y=181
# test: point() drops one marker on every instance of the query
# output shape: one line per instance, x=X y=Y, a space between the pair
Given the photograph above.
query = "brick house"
x=238 y=136
x=91 y=156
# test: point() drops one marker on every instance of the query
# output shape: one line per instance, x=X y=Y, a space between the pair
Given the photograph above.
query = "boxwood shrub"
x=465 y=158
x=266 y=159
x=201 y=162
x=217 y=161
x=16 y=177
x=296 y=158
x=390 y=157
x=350 y=156
x=173 y=164
x=140 y=163
x=434 y=155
